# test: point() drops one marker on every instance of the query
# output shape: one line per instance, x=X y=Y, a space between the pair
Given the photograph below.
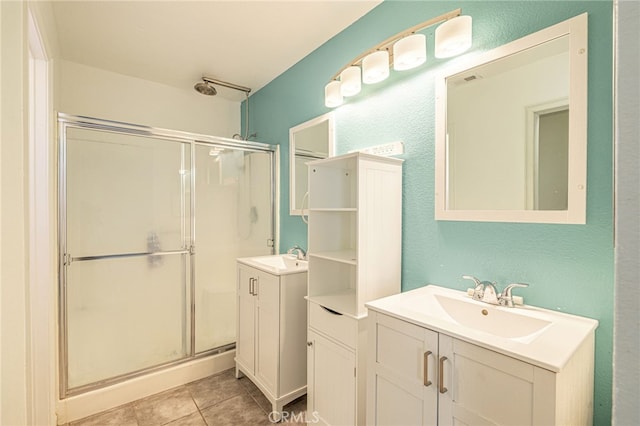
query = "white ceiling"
x=248 y=43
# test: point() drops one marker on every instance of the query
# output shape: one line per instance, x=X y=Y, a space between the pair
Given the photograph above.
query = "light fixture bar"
x=389 y=42
x=226 y=84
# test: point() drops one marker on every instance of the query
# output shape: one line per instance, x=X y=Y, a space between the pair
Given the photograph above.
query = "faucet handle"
x=300 y=253
x=472 y=278
x=506 y=299
x=478 y=291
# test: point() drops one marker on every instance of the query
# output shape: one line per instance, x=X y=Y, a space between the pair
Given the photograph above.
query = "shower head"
x=205 y=88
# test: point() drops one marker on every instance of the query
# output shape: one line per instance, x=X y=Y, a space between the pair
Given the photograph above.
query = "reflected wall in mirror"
x=511 y=131
x=311 y=140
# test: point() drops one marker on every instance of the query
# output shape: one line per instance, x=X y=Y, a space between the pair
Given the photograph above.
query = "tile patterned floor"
x=216 y=400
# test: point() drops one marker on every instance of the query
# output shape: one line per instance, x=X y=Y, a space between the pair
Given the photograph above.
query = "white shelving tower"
x=355 y=231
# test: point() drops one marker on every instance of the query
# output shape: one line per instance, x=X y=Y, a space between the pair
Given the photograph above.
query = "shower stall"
x=150 y=224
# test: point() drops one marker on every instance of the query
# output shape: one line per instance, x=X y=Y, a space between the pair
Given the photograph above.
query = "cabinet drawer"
x=340 y=327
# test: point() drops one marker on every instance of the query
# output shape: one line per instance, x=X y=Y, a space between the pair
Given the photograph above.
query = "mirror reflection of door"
x=552 y=161
x=501 y=150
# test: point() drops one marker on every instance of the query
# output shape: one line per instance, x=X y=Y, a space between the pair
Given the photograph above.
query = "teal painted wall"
x=569 y=267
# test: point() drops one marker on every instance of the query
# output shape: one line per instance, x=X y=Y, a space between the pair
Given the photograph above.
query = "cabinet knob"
x=309 y=343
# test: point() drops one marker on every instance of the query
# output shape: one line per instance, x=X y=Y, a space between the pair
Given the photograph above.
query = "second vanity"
x=271 y=327
x=437 y=357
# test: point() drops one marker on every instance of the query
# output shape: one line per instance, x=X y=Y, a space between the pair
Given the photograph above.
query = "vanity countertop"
x=538 y=336
x=277 y=264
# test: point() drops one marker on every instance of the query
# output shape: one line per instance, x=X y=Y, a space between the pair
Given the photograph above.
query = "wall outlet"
x=385 y=150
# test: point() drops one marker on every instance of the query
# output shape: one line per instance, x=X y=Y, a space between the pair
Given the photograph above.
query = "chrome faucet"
x=300 y=253
x=491 y=295
x=485 y=291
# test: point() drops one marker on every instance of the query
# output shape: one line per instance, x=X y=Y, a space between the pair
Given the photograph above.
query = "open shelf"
x=344 y=256
x=332 y=230
x=354 y=233
x=336 y=209
x=332 y=184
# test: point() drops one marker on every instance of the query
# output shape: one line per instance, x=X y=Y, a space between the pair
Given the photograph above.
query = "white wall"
x=626 y=354
x=13 y=214
x=88 y=91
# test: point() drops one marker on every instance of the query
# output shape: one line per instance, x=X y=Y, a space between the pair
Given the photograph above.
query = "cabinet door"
x=331 y=382
x=267 y=290
x=245 y=340
x=487 y=388
x=402 y=376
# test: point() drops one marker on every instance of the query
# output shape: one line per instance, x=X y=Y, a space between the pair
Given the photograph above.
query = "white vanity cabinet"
x=417 y=376
x=355 y=213
x=271 y=333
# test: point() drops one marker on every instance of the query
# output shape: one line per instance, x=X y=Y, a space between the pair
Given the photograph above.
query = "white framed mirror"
x=311 y=140
x=511 y=131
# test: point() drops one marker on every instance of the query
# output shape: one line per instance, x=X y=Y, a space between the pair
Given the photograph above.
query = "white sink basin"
x=279 y=264
x=539 y=336
x=501 y=322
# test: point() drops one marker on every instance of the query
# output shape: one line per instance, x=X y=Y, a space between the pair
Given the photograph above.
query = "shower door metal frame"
x=66 y=121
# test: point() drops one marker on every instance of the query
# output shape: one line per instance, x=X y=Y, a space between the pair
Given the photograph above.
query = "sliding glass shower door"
x=150 y=226
x=233 y=201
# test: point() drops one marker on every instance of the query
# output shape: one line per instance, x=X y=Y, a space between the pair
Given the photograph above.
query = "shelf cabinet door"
x=402 y=383
x=246 y=320
x=267 y=348
x=331 y=382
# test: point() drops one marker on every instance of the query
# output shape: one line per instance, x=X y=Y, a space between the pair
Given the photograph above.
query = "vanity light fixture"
x=375 y=67
x=410 y=52
x=403 y=51
x=453 y=37
x=350 y=83
x=332 y=94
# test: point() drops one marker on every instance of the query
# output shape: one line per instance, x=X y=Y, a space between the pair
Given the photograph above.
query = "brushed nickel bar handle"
x=251 y=286
x=125 y=255
x=425 y=378
x=441 y=378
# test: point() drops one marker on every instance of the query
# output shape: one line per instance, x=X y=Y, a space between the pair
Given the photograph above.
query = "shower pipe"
x=66 y=121
x=207 y=81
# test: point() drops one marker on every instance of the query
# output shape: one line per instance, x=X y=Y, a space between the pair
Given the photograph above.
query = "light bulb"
x=332 y=96
x=453 y=37
x=350 y=81
x=375 y=67
x=409 y=52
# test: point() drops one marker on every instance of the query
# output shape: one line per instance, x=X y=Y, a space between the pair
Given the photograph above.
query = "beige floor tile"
x=215 y=389
x=119 y=416
x=248 y=385
x=239 y=410
x=294 y=413
x=297 y=405
x=194 y=419
x=261 y=400
x=164 y=407
x=256 y=394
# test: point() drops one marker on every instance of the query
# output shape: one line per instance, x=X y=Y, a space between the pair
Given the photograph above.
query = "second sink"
x=279 y=264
